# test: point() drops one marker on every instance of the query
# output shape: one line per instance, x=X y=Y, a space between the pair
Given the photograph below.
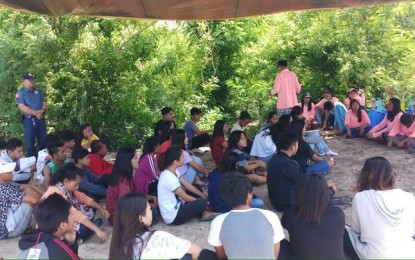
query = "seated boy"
x=57 y=151
x=98 y=164
x=283 y=172
x=16 y=203
x=67 y=137
x=338 y=110
x=197 y=138
x=54 y=221
x=43 y=156
x=168 y=116
x=244 y=232
x=91 y=184
x=24 y=166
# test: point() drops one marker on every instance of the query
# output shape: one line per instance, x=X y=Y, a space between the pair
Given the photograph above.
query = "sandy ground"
x=353 y=153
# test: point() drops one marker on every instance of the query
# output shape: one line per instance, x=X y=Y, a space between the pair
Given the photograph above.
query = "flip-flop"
x=209 y=217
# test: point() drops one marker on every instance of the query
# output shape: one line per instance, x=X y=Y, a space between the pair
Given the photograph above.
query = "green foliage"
x=118 y=74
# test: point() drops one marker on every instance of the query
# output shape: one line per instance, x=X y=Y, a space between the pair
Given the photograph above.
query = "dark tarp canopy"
x=179 y=9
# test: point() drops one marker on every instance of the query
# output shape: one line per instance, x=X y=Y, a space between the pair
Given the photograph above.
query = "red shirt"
x=114 y=193
x=216 y=148
x=98 y=165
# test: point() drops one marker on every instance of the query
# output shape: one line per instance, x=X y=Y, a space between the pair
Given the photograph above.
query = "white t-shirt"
x=237 y=127
x=249 y=233
x=40 y=163
x=263 y=145
x=168 y=203
x=161 y=245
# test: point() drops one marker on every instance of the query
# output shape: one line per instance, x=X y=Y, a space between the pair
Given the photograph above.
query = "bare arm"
x=183 y=195
x=100 y=234
x=191 y=188
x=26 y=109
x=198 y=168
x=220 y=252
x=276 y=250
x=194 y=250
x=104 y=213
x=46 y=175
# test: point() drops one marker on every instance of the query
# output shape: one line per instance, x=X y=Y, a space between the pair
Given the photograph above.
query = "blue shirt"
x=189 y=128
x=32 y=98
x=215 y=198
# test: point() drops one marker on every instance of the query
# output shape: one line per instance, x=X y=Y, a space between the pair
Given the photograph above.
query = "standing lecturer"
x=32 y=105
x=287 y=86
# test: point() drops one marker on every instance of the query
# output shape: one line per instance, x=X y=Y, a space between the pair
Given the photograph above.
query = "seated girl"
x=406 y=133
x=305 y=153
x=382 y=224
x=315 y=227
x=226 y=166
x=132 y=238
x=147 y=174
x=218 y=143
x=66 y=183
x=263 y=147
x=192 y=165
x=121 y=180
x=237 y=143
x=176 y=206
x=357 y=121
x=390 y=124
x=308 y=108
x=85 y=136
x=272 y=119
x=338 y=111
x=313 y=137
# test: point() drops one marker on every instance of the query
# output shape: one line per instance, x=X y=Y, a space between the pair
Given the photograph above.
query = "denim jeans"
x=21 y=217
x=318 y=167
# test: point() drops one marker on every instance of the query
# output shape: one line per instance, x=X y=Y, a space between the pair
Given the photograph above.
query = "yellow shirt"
x=84 y=141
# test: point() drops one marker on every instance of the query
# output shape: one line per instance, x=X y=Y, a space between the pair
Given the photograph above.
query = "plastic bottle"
x=410 y=108
x=379 y=105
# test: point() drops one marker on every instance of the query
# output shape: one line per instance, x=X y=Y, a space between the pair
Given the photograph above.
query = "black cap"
x=28 y=75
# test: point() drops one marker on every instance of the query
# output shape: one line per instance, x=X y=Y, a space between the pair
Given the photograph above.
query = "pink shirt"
x=386 y=125
x=407 y=131
x=287 y=86
x=308 y=115
x=352 y=121
x=320 y=104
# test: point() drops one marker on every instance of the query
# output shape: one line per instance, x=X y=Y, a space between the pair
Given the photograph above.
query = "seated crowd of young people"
x=168 y=179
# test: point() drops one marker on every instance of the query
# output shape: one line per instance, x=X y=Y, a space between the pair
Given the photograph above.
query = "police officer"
x=32 y=105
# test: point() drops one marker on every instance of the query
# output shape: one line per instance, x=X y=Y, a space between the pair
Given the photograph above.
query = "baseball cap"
x=306 y=94
x=351 y=90
x=28 y=75
x=7 y=167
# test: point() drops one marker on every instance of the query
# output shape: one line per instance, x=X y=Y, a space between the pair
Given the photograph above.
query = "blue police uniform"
x=33 y=127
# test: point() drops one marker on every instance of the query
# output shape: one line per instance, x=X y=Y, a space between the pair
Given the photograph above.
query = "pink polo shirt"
x=386 y=125
x=309 y=115
x=320 y=104
x=287 y=86
x=352 y=121
x=407 y=131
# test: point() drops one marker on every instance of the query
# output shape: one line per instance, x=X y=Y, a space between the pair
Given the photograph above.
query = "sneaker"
x=331 y=153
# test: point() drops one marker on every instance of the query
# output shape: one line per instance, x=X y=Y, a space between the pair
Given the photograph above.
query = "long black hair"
x=311 y=198
x=309 y=105
x=395 y=110
x=122 y=166
x=359 y=110
x=218 y=129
